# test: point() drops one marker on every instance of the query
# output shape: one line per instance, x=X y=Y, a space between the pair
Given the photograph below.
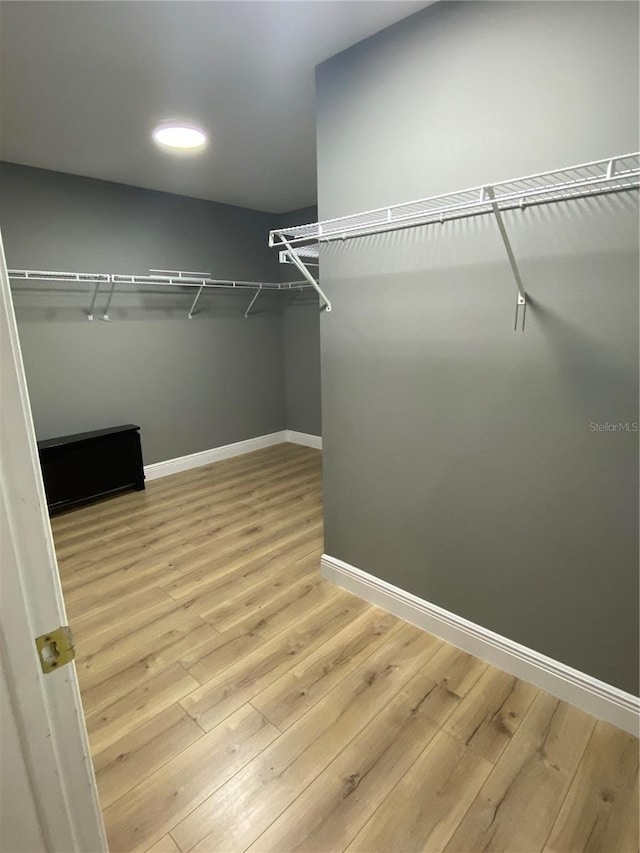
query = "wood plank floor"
x=236 y=701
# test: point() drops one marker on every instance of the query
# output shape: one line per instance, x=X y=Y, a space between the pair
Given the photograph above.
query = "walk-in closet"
x=319 y=331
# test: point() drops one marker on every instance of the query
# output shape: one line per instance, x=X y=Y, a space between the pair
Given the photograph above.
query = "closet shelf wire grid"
x=299 y=244
x=158 y=278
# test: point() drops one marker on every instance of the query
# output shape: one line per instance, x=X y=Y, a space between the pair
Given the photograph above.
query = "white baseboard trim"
x=227 y=451
x=216 y=454
x=585 y=692
x=305 y=438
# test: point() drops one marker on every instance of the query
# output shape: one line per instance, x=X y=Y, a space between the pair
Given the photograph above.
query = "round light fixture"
x=179 y=137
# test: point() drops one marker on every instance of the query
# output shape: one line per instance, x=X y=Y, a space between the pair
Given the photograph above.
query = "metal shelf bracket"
x=93 y=301
x=520 y=302
x=195 y=302
x=253 y=301
x=488 y=193
x=105 y=313
x=293 y=256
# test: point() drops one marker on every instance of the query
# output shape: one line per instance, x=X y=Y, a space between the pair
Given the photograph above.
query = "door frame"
x=46 y=709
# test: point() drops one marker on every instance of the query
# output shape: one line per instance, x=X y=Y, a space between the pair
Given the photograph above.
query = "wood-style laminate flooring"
x=236 y=701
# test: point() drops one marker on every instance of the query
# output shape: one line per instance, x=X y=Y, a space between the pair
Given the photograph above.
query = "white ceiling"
x=83 y=84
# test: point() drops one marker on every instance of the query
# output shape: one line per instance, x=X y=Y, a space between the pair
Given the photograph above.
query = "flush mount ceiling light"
x=179 y=137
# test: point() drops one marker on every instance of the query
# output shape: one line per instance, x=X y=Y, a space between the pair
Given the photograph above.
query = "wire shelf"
x=169 y=280
x=299 y=244
x=614 y=174
x=309 y=254
x=49 y=275
x=158 y=278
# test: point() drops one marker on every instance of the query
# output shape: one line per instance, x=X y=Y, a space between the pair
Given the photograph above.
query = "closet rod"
x=158 y=278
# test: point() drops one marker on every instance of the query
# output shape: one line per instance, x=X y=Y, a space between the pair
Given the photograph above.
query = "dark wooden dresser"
x=78 y=469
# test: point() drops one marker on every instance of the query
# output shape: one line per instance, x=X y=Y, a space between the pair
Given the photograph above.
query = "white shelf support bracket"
x=195 y=302
x=253 y=302
x=105 y=313
x=521 y=302
x=93 y=301
x=293 y=255
x=488 y=194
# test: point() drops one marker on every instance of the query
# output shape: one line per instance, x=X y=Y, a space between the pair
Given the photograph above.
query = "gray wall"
x=459 y=458
x=301 y=341
x=191 y=385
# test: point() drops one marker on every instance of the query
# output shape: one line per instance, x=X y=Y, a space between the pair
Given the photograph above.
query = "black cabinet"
x=78 y=469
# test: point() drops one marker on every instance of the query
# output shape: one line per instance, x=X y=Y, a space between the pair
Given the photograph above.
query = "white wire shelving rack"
x=310 y=254
x=299 y=244
x=159 y=278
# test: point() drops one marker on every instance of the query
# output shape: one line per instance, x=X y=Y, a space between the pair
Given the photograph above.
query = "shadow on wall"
x=586 y=363
x=301 y=299
x=601 y=223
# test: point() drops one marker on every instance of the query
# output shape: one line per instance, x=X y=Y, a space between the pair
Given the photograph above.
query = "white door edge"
x=46 y=709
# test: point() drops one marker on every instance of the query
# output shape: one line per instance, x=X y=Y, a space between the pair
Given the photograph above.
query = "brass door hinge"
x=56 y=648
